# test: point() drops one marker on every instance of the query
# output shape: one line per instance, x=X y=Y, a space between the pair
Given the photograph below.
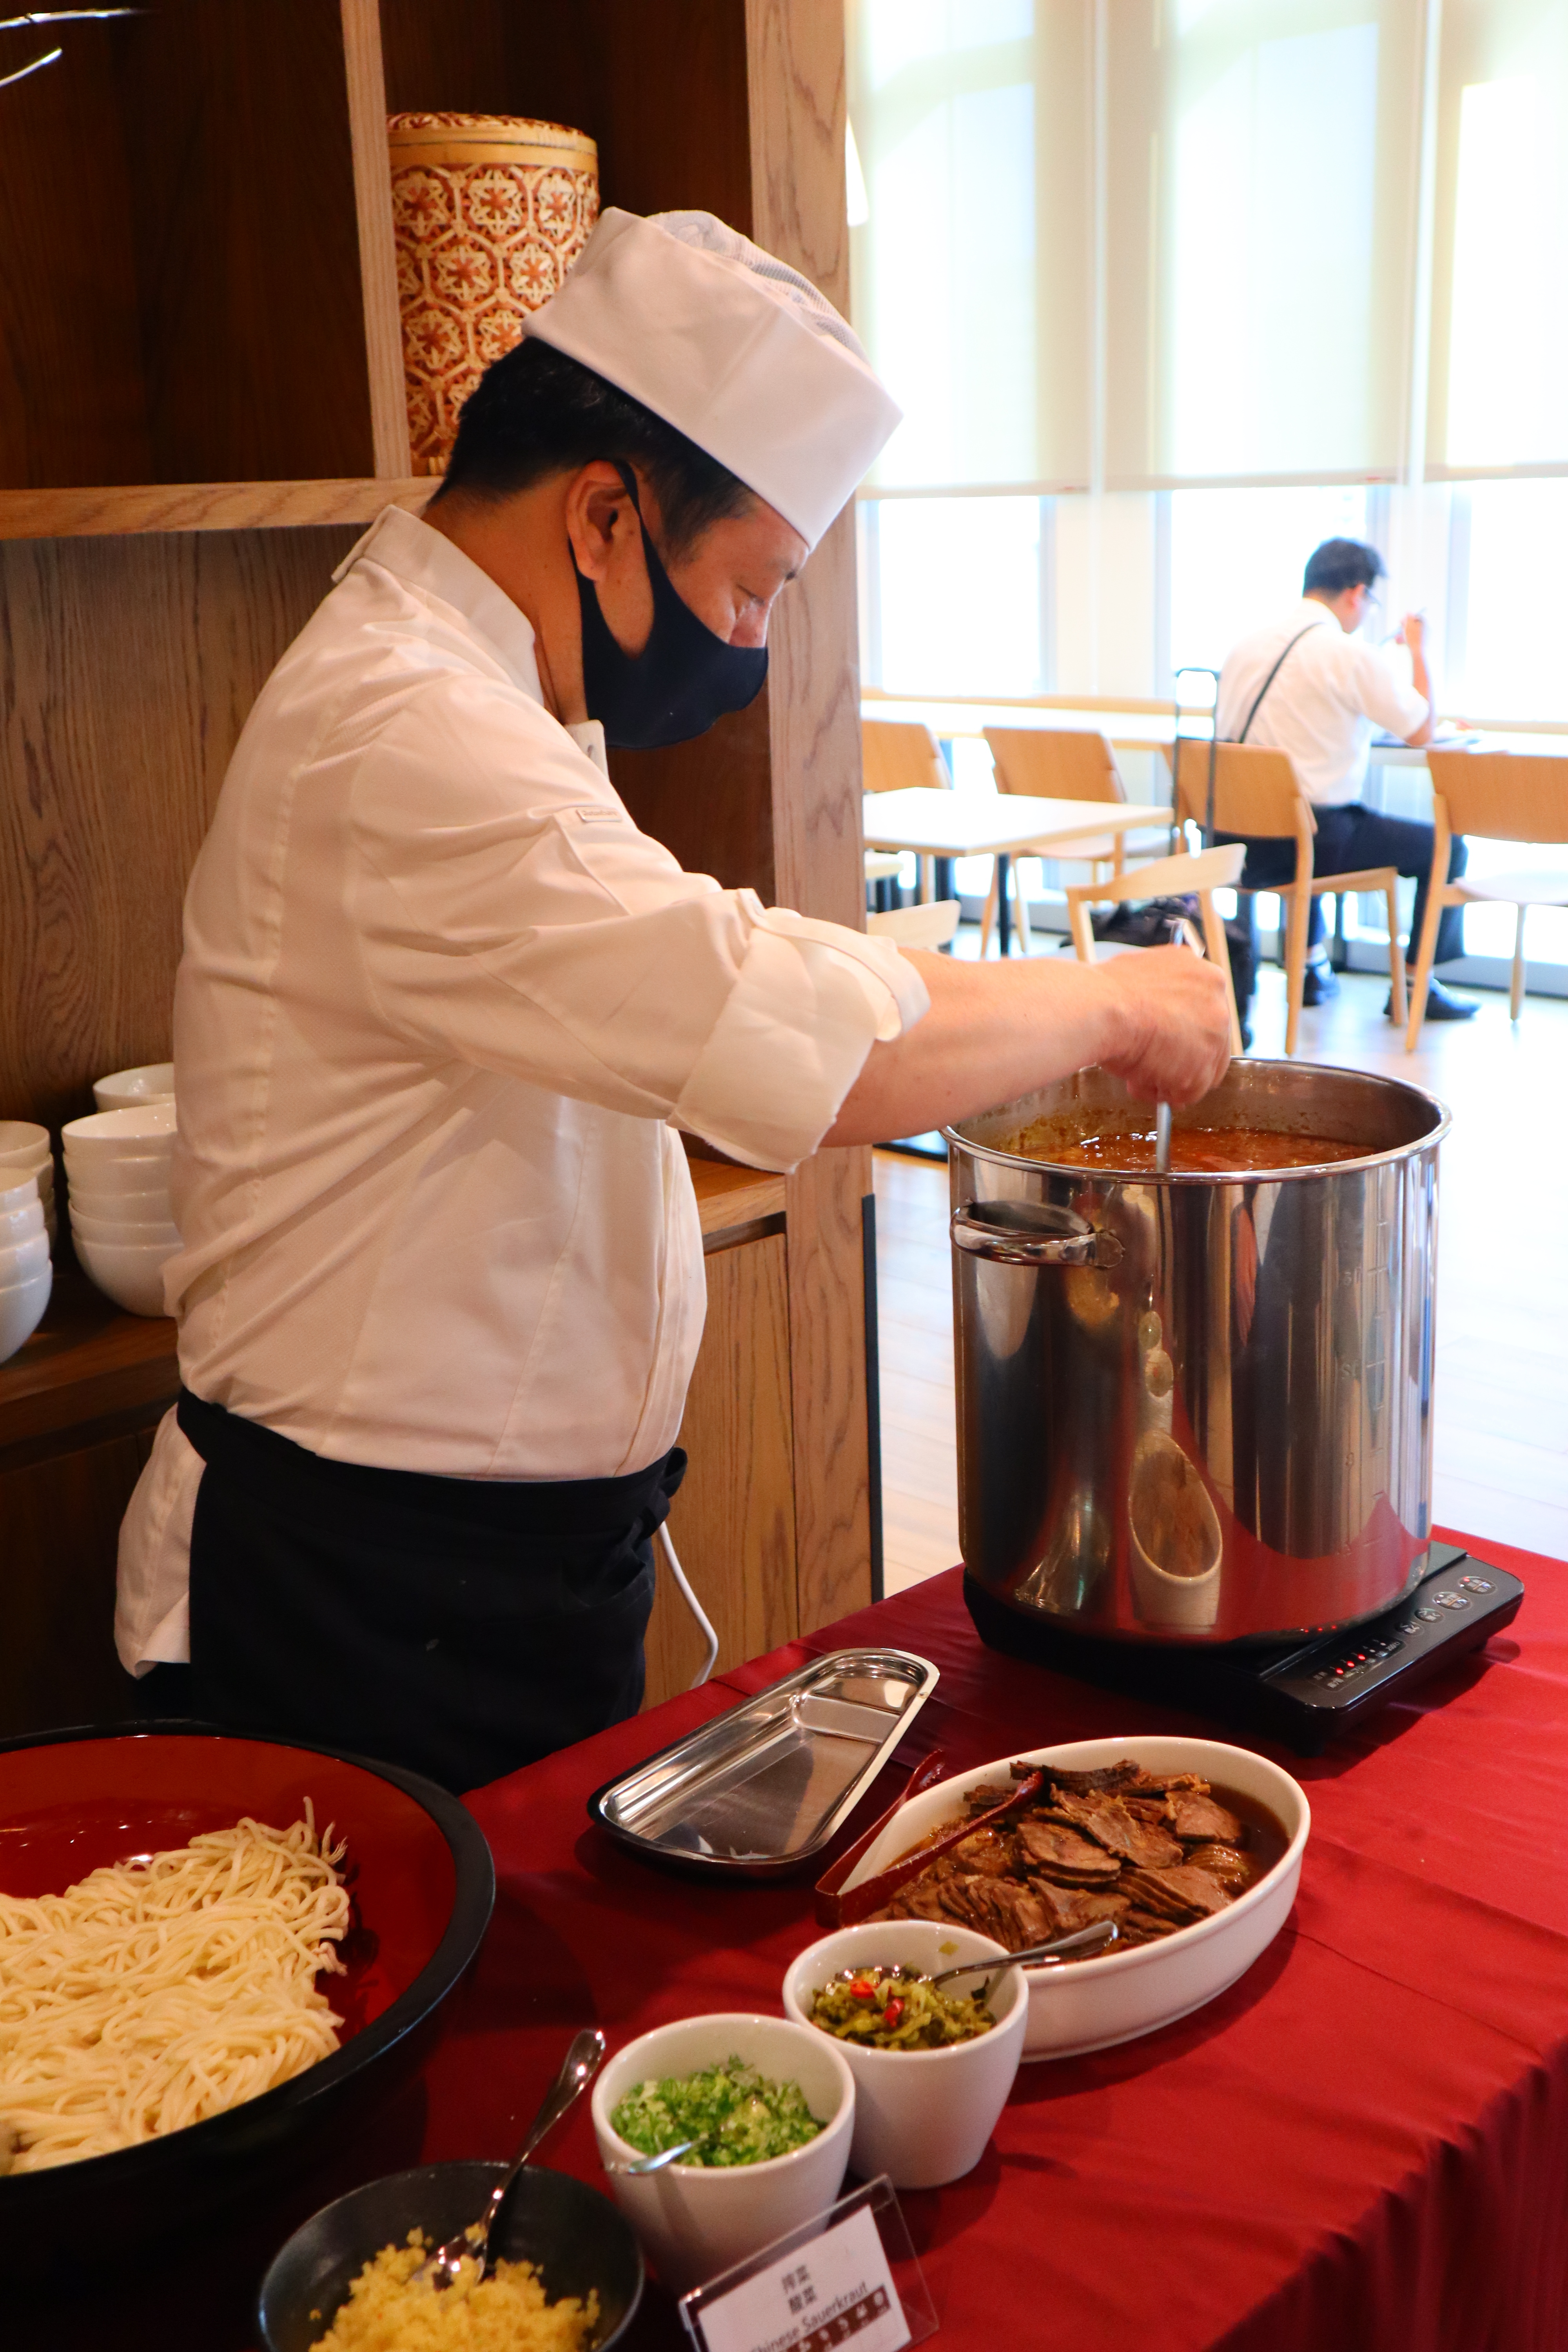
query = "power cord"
x=704 y=1625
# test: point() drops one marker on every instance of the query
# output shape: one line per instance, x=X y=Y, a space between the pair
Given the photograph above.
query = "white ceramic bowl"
x=1091 y=2004
x=123 y=1229
x=693 y=2219
x=147 y=1128
x=17 y=1223
x=154 y=1082
x=22 y=1306
x=132 y=1273
x=923 y=2116
x=22 y=1145
x=19 y=1260
x=19 y=1193
x=147 y=1205
x=136 y=1174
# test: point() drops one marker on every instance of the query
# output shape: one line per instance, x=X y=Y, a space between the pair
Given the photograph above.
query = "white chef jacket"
x=1332 y=693
x=440 y=1009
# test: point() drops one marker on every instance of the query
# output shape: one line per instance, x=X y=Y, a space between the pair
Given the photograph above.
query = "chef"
x=442 y=1009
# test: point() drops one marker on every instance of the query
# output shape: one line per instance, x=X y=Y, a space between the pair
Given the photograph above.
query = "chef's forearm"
x=997 y=1031
x=1421 y=680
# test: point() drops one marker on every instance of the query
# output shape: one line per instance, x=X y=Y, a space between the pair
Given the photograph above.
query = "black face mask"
x=684 y=679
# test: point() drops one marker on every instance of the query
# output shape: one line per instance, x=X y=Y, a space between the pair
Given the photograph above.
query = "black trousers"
x=1348 y=840
x=462 y=1627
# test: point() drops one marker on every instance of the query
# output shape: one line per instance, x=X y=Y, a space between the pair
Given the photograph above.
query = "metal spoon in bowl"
x=1051 y=1954
x=582 y=2062
x=655 y=2163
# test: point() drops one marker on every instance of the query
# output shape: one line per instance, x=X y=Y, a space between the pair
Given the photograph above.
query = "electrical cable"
x=704 y=1624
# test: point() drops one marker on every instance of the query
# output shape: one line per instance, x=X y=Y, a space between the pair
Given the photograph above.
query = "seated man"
x=1316 y=691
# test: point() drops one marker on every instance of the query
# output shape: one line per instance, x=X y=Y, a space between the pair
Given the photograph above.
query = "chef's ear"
x=599 y=513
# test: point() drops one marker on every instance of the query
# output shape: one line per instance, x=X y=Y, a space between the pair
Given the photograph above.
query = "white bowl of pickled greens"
x=923 y=2112
x=771 y=2105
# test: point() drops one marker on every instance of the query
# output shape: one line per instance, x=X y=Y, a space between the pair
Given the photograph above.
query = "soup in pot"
x=1194 y=1150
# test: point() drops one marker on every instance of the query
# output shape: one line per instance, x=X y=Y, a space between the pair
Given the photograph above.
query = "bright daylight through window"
x=1170 y=290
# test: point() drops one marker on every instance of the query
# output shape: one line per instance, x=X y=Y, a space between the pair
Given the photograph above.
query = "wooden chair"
x=896 y=754
x=1201 y=875
x=1068 y=764
x=929 y=926
x=1257 y=792
x=1498 y=796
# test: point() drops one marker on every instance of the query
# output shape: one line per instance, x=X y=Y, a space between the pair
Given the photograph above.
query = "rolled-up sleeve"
x=511 y=915
x=1382 y=696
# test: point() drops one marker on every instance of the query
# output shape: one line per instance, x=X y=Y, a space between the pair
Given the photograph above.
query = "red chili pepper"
x=892 y=2013
x=863 y=1988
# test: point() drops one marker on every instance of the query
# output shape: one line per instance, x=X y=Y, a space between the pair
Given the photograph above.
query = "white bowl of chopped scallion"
x=771 y=2105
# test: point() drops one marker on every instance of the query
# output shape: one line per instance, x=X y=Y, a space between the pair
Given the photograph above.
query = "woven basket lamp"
x=490 y=211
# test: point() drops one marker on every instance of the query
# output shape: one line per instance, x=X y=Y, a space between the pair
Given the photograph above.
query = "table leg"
x=943 y=886
x=1004 y=919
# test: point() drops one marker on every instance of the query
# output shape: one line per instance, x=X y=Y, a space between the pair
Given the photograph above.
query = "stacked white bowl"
x=26 y=1277
x=25 y=1151
x=117 y=1186
x=125 y=1089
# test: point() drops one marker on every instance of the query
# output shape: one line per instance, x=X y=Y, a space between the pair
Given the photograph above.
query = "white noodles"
x=162 y=1991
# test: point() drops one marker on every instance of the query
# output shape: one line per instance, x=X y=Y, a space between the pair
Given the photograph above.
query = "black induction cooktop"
x=1305 y=1692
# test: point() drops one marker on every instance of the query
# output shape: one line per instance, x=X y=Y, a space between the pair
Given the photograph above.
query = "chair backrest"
x=1054 y=765
x=916 y=926
x=898 y=752
x=1168 y=877
x=1256 y=791
x=1501 y=795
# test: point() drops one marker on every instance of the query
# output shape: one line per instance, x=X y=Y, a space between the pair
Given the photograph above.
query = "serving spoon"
x=1033 y=1956
x=654 y=2163
x=582 y=2062
x=1182 y=936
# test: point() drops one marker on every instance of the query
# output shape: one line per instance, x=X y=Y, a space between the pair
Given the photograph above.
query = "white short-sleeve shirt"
x=440 y=1010
x=1332 y=695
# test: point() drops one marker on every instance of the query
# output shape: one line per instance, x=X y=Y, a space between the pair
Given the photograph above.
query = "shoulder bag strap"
x=1258 y=698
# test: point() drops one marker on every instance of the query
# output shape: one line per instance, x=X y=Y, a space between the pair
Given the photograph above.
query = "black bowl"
x=574 y=2237
x=423 y=1883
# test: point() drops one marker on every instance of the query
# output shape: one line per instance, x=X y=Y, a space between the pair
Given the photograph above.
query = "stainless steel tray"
x=760 y=1790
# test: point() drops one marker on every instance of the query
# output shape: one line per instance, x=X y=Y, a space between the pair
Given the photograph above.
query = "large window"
x=1171 y=289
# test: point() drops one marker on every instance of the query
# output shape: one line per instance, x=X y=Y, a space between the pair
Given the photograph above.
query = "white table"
x=936 y=824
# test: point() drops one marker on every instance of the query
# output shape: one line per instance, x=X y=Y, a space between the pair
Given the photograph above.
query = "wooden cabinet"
x=201 y=402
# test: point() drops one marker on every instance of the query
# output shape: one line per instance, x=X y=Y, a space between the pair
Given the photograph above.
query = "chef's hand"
x=1171 y=1021
x=1412 y=633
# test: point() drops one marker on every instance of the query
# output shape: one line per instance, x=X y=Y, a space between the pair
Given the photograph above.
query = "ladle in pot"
x=1182 y=935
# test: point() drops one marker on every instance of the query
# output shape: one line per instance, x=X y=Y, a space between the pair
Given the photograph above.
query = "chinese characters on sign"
x=836 y=2290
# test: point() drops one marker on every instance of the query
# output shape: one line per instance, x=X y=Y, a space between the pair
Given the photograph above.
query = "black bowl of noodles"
x=578 y=2243
x=420 y=1882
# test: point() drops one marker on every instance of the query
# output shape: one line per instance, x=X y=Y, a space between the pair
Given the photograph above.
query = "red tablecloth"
x=1363 y=2147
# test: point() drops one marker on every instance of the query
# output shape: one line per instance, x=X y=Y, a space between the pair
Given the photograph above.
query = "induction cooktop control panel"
x=1319 y=1688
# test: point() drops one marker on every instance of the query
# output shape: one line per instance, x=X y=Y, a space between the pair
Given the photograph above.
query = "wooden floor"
x=1501 y=1389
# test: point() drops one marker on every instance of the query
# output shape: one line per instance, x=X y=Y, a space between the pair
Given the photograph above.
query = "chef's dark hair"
x=1338 y=564
x=535 y=412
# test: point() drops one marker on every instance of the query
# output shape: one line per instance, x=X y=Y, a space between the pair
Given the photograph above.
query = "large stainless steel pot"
x=1197 y=1408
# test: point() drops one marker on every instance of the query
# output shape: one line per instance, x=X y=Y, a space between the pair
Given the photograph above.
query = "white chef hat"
x=735 y=350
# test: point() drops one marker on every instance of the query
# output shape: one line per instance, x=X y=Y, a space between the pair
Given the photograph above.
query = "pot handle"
x=1030 y=1233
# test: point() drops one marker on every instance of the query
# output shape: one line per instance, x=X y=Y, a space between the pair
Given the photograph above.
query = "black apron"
x=459 y=1626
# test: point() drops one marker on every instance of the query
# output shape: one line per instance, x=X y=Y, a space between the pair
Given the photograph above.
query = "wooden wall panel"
x=710 y=801
x=236 y=130
x=127 y=668
x=72 y=400
x=662 y=89
x=797 y=114
x=733 y=1520
x=60 y=1525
